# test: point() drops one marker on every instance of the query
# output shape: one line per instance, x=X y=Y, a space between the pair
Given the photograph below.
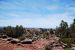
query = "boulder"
x=9 y=39
x=3 y=36
x=27 y=41
x=15 y=41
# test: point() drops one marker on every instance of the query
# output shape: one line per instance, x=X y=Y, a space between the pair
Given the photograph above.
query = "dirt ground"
x=36 y=45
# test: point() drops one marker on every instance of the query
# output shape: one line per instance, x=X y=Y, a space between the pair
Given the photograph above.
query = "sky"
x=36 y=13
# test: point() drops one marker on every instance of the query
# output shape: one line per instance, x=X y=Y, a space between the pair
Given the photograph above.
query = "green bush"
x=66 y=40
x=68 y=49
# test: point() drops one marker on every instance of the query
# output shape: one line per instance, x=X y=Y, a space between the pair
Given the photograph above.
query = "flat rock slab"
x=57 y=48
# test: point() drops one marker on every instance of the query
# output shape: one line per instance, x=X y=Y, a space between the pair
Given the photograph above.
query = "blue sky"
x=36 y=13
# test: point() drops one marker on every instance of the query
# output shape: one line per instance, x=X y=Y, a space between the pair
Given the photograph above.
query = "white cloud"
x=37 y=19
x=50 y=21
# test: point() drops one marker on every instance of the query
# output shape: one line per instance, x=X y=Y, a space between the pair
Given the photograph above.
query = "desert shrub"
x=68 y=49
x=13 y=31
x=48 y=48
x=22 y=37
x=67 y=41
